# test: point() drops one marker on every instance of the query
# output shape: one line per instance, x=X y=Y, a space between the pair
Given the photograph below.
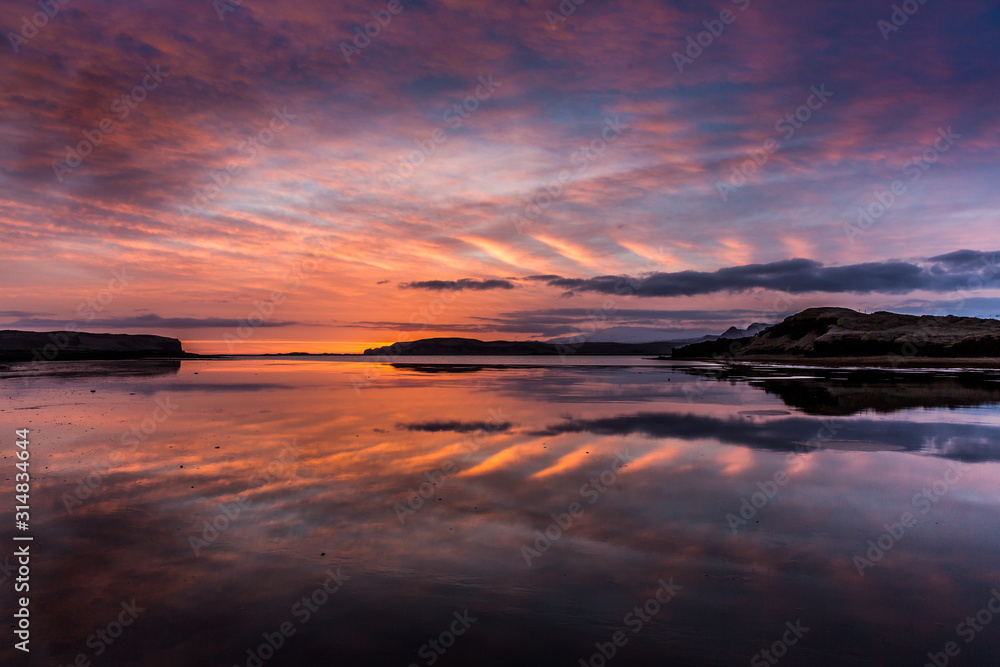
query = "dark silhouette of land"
x=74 y=345
x=817 y=335
x=838 y=334
x=473 y=347
x=841 y=333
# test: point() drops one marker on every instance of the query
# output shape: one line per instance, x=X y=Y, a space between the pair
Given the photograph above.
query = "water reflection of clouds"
x=663 y=517
x=970 y=442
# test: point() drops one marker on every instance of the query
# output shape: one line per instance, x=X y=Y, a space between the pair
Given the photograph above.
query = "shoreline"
x=883 y=362
x=880 y=363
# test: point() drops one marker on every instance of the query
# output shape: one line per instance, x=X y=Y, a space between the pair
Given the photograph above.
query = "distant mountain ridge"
x=752 y=330
x=627 y=334
x=842 y=332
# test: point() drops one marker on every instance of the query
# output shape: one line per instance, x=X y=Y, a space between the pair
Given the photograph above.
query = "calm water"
x=829 y=517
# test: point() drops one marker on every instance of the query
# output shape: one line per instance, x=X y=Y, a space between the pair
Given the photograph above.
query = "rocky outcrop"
x=752 y=330
x=841 y=332
x=69 y=345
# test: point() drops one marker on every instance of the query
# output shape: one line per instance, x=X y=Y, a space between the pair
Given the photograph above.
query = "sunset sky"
x=517 y=170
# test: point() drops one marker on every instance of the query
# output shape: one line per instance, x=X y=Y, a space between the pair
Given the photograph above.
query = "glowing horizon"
x=475 y=169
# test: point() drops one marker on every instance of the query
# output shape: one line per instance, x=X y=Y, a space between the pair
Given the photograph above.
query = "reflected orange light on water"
x=423 y=479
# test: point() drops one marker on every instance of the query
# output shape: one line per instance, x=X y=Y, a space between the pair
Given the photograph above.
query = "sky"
x=275 y=176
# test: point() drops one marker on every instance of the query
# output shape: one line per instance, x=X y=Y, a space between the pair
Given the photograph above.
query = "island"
x=473 y=347
x=77 y=345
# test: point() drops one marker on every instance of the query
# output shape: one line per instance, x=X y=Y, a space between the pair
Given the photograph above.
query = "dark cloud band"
x=964 y=269
x=464 y=284
x=146 y=321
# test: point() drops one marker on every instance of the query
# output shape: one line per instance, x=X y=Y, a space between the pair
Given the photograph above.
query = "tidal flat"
x=515 y=511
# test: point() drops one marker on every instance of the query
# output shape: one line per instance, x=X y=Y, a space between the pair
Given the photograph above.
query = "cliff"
x=70 y=345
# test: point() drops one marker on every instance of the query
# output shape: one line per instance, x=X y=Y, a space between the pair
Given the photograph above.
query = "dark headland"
x=837 y=335
x=473 y=347
x=817 y=333
x=76 y=345
x=841 y=333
